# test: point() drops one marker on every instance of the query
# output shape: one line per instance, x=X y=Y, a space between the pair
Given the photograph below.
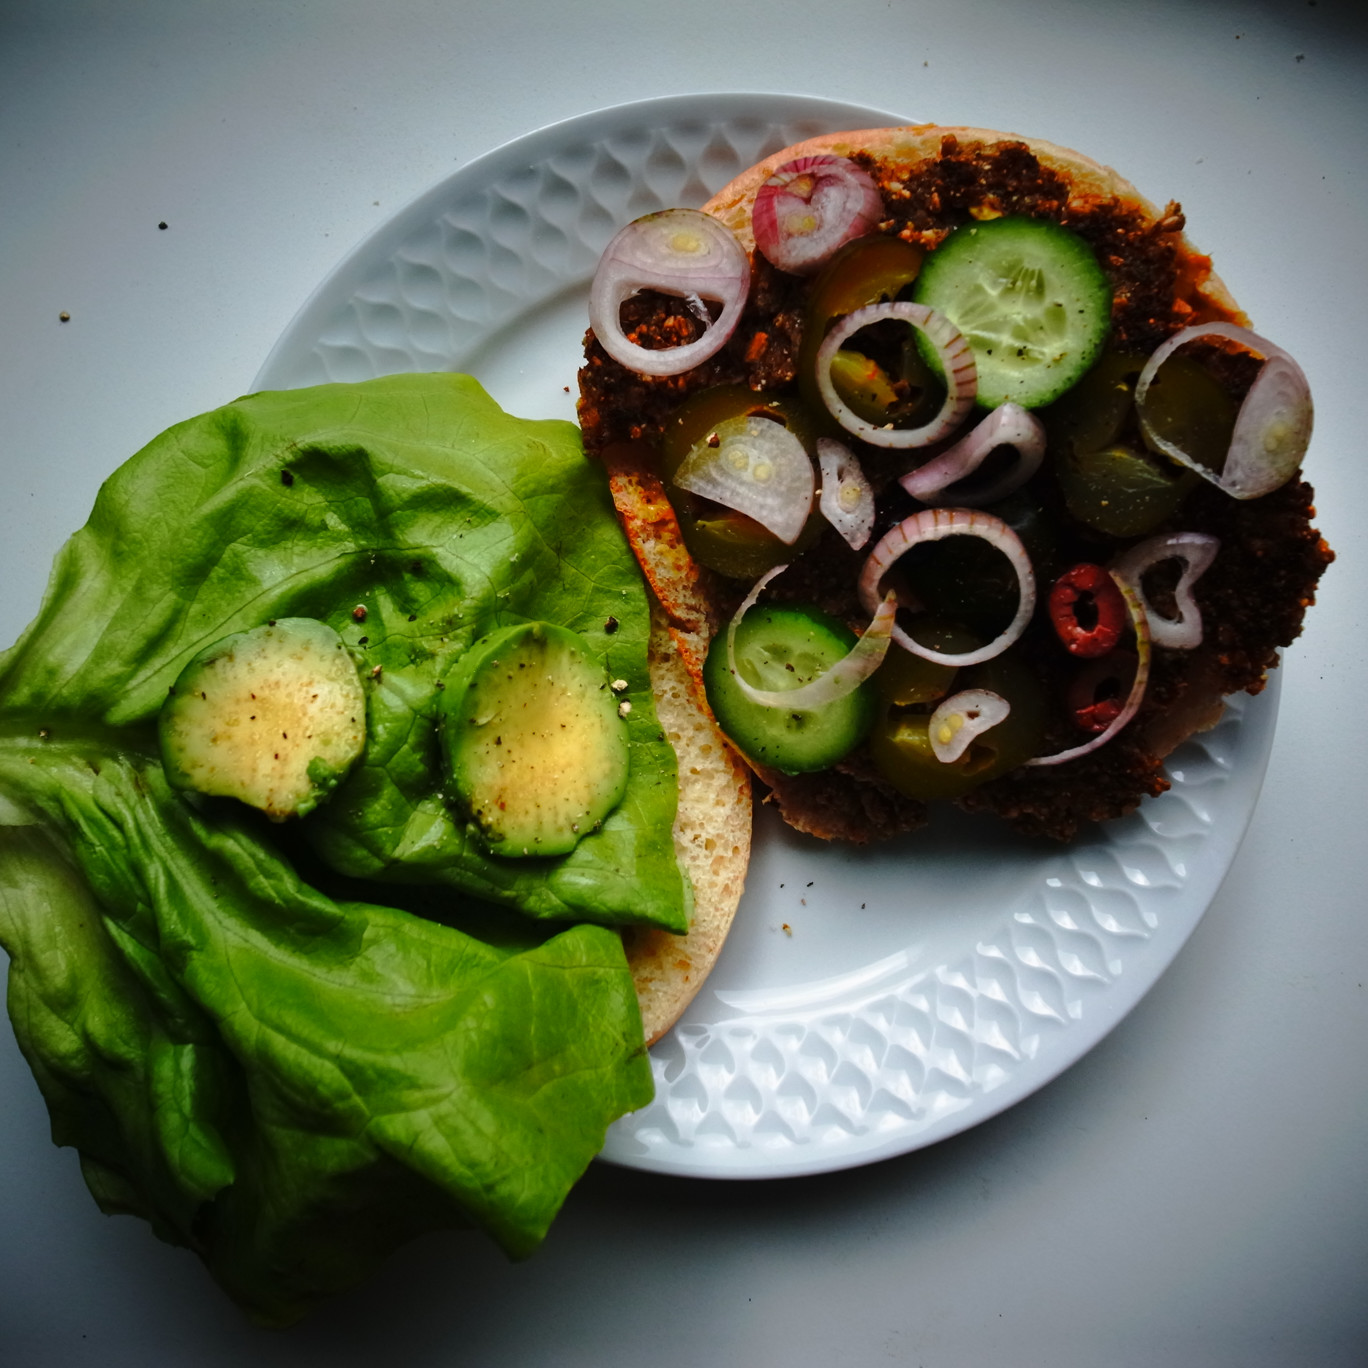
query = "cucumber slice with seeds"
x=783 y=647
x=1031 y=300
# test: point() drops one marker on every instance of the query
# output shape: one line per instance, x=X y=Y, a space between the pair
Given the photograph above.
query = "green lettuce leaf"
x=418 y=499
x=291 y=1047
x=287 y=1083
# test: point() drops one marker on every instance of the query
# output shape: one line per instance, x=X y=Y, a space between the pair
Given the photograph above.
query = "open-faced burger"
x=958 y=473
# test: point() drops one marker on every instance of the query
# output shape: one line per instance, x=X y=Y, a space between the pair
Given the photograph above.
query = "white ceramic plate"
x=869 y=1001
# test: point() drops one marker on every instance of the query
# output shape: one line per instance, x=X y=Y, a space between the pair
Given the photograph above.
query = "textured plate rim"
x=1256 y=717
x=524 y=150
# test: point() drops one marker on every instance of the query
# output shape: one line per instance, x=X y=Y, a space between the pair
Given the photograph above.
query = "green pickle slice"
x=900 y=742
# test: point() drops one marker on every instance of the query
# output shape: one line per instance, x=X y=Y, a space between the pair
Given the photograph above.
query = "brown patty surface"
x=1252 y=598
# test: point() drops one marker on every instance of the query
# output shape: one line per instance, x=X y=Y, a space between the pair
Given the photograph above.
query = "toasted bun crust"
x=712 y=840
x=913 y=143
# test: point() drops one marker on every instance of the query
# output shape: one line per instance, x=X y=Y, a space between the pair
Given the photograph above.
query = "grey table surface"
x=1192 y=1191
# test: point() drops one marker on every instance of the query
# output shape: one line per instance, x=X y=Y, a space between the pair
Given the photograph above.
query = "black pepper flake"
x=363 y=641
x=286 y=478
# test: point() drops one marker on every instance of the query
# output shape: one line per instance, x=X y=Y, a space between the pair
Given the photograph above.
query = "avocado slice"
x=274 y=716
x=534 y=742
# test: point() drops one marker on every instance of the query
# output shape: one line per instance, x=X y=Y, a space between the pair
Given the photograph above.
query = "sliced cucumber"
x=783 y=648
x=1031 y=300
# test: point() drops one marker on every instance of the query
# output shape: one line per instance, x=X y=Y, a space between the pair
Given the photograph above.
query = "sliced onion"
x=1272 y=428
x=843 y=678
x=1137 y=689
x=962 y=717
x=1196 y=550
x=682 y=252
x=957 y=364
x=931 y=525
x=938 y=481
x=847 y=500
x=756 y=466
x=811 y=206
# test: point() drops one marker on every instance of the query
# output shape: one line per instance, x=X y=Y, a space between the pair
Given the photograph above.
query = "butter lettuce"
x=290 y=1047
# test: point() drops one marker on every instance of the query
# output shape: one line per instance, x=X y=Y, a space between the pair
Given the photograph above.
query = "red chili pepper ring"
x=1087 y=610
x=1098 y=692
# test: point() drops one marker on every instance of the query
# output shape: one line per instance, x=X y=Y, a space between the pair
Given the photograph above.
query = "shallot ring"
x=1272 y=428
x=811 y=206
x=961 y=719
x=957 y=361
x=932 y=524
x=1196 y=550
x=650 y=254
x=757 y=467
x=1007 y=425
x=843 y=476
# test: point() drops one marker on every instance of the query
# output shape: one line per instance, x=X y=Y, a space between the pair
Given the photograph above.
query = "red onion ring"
x=1137 y=689
x=1007 y=425
x=811 y=206
x=1272 y=428
x=847 y=500
x=961 y=718
x=931 y=525
x=756 y=466
x=957 y=362
x=682 y=252
x=1196 y=550
x=843 y=678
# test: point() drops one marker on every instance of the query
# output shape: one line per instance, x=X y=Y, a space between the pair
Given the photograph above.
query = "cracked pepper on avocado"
x=958 y=473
